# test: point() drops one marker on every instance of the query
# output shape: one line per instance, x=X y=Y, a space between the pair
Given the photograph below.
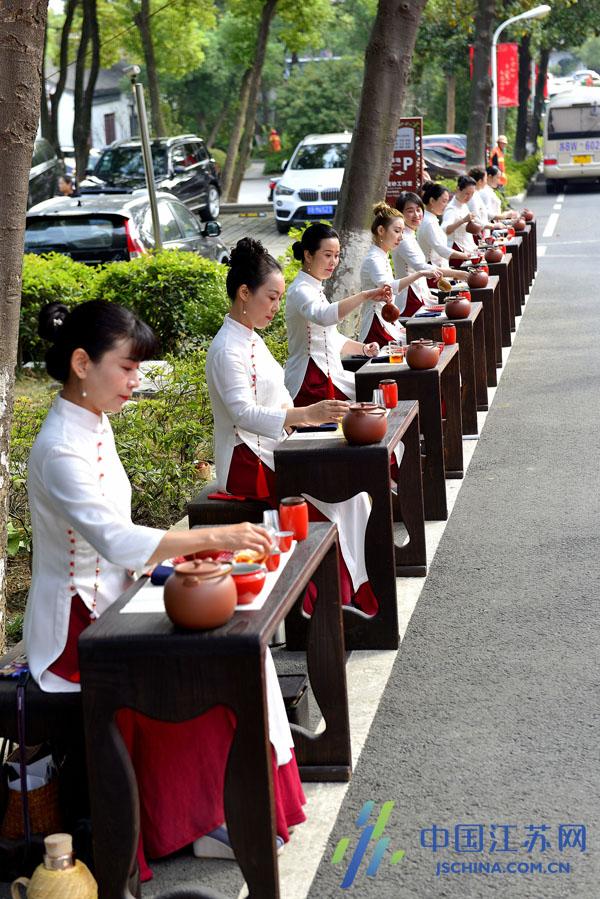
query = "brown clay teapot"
x=422 y=354
x=364 y=423
x=460 y=307
x=473 y=228
x=390 y=312
x=493 y=254
x=527 y=214
x=477 y=278
x=519 y=224
x=200 y=594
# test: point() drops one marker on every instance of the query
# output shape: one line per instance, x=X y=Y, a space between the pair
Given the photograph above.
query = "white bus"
x=572 y=138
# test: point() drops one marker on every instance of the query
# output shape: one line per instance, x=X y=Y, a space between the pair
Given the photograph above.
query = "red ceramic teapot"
x=493 y=254
x=422 y=354
x=200 y=594
x=477 y=279
x=460 y=307
x=390 y=312
x=519 y=225
x=364 y=423
x=527 y=214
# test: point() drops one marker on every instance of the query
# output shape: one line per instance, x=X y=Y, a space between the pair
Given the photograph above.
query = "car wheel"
x=282 y=227
x=213 y=206
x=551 y=187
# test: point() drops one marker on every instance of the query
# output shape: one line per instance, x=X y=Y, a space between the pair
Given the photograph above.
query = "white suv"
x=310 y=185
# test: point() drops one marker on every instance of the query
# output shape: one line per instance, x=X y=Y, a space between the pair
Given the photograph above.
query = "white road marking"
x=367 y=677
x=560 y=198
x=550 y=225
x=557 y=206
x=541 y=250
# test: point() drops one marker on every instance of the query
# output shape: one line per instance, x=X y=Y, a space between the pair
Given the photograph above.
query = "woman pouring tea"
x=85 y=547
x=252 y=409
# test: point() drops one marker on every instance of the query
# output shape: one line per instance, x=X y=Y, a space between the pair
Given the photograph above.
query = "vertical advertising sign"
x=407 y=160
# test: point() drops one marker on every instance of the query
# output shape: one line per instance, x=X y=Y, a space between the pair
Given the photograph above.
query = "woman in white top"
x=476 y=203
x=85 y=548
x=432 y=239
x=252 y=410
x=458 y=215
x=409 y=257
x=314 y=369
x=491 y=199
x=387 y=230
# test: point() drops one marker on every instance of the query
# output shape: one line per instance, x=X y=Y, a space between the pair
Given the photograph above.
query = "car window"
x=71 y=232
x=321 y=156
x=185 y=155
x=169 y=229
x=201 y=152
x=189 y=225
x=120 y=164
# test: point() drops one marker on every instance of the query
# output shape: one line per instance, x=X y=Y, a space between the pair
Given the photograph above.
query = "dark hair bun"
x=51 y=321
x=246 y=252
x=297 y=251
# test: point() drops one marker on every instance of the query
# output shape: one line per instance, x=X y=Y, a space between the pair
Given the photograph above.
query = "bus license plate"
x=582 y=160
x=323 y=210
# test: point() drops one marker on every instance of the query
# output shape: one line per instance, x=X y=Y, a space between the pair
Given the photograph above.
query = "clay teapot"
x=390 y=312
x=200 y=594
x=493 y=254
x=519 y=224
x=477 y=278
x=460 y=307
x=422 y=354
x=473 y=228
x=364 y=423
x=527 y=214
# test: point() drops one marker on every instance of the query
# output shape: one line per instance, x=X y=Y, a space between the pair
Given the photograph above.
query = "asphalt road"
x=490 y=715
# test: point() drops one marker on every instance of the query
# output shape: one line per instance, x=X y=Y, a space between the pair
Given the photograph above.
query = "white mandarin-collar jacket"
x=408 y=257
x=491 y=201
x=80 y=502
x=433 y=240
x=375 y=271
x=478 y=207
x=461 y=237
x=239 y=415
x=312 y=334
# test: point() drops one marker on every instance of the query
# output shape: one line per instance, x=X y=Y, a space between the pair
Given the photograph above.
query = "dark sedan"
x=100 y=228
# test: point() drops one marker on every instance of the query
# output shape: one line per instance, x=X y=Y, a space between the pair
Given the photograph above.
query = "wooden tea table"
x=142 y=662
x=443 y=439
x=516 y=248
x=490 y=298
x=328 y=468
x=503 y=270
x=470 y=337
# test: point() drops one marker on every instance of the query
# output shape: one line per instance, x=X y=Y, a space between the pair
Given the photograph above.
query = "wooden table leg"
x=327 y=755
x=411 y=559
x=467 y=372
x=434 y=477
x=453 y=449
x=480 y=363
x=489 y=324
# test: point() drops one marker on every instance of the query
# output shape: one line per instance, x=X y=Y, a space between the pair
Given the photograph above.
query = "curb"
x=232 y=208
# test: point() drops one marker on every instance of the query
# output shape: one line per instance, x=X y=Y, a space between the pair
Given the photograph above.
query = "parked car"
x=458 y=141
x=101 y=228
x=46 y=168
x=182 y=165
x=309 y=187
x=441 y=164
x=69 y=158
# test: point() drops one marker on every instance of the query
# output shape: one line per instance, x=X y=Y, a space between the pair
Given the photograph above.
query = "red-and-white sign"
x=407 y=159
x=507 y=60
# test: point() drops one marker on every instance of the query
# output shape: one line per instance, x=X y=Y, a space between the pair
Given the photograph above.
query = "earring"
x=244 y=309
x=83 y=393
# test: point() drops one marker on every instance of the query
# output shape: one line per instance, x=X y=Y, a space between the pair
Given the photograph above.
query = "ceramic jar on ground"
x=364 y=423
x=200 y=595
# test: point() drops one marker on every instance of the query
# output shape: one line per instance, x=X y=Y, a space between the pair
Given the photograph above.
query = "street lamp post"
x=138 y=93
x=536 y=13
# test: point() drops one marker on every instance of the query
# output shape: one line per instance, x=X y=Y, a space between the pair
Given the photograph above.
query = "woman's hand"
x=325 y=411
x=242 y=536
x=379 y=293
x=435 y=273
x=469 y=217
x=370 y=349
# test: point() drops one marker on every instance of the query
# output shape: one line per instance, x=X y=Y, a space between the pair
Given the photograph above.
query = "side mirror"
x=211 y=229
x=284 y=164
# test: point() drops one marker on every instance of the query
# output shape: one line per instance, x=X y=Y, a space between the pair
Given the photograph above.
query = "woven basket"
x=44 y=812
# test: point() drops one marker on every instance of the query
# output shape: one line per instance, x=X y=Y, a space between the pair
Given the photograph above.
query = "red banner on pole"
x=508 y=73
x=406 y=172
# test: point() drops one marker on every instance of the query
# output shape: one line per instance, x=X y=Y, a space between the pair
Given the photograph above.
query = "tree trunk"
x=387 y=66
x=142 y=20
x=44 y=113
x=481 y=85
x=538 y=103
x=450 y=102
x=223 y=113
x=236 y=135
x=268 y=11
x=62 y=75
x=520 y=148
x=22 y=24
x=84 y=92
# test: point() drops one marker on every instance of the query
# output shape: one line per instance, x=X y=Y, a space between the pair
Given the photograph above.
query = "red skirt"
x=453 y=262
x=378 y=334
x=316 y=386
x=241 y=481
x=180 y=768
x=413 y=303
